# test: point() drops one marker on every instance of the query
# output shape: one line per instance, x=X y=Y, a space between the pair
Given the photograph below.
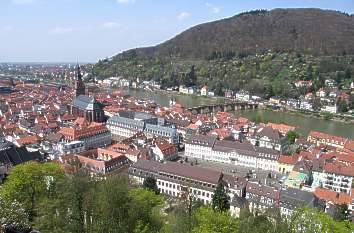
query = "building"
x=83 y=105
x=163 y=150
x=204 y=91
x=12 y=156
x=236 y=153
x=93 y=134
x=182 y=180
x=338 y=177
x=71 y=147
x=320 y=138
x=128 y=124
x=303 y=83
x=332 y=198
x=267 y=137
x=330 y=109
x=199 y=147
x=99 y=162
x=242 y=96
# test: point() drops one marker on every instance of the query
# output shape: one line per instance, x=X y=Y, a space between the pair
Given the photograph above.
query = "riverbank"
x=219 y=99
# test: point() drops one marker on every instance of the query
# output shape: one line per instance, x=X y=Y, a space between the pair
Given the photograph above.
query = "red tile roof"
x=331 y=196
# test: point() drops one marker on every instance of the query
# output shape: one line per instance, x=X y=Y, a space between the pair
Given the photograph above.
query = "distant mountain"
x=315 y=31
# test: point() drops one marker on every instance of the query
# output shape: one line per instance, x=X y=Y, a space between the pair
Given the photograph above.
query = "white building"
x=242 y=96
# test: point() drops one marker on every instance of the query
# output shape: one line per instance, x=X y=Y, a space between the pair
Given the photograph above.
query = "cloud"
x=125 y=1
x=214 y=9
x=109 y=25
x=183 y=15
x=61 y=30
x=23 y=2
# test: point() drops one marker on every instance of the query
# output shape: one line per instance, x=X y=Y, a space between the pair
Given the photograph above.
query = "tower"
x=79 y=84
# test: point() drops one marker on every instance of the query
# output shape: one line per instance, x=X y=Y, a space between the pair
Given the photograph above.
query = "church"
x=83 y=105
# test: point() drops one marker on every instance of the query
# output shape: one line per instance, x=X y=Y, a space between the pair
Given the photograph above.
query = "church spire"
x=79 y=84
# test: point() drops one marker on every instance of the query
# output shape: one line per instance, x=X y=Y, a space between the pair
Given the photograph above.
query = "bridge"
x=226 y=107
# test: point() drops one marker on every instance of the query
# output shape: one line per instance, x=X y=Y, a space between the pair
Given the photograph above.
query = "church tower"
x=79 y=84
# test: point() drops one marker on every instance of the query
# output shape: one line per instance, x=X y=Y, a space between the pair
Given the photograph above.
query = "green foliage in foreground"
x=41 y=196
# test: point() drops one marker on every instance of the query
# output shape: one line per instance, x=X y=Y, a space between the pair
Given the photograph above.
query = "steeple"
x=79 y=84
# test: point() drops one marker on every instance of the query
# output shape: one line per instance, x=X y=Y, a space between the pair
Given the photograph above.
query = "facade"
x=128 y=124
x=70 y=147
x=93 y=134
x=99 y=161
x=268 y=138
x=163 y=150
x=319 y=138
x=236 y=153
x=242 y=96
x=338 y=177
x=199 y=147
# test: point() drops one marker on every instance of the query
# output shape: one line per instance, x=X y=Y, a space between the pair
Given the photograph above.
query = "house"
x=242 y=96
x=319 y=138
x=303 y=83
x=204 y=91
x=338 y=177
x=282 y=128
x=199 y=147
x=183 y=89
x=267 y=137
x=211 y=93
x=228 y=94
x=329 y=108
x=93 y=134
x=163 y=150
x=286 y=163
x=332 y=198
x=321 y=93
x=98 y=162
x=275 y=100
x=306 y=105
x=330 y=83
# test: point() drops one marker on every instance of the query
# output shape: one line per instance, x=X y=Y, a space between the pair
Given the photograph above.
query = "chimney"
x=337 y=195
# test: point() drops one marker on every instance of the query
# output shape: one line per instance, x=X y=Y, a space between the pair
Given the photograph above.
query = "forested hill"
x=320 y=32
x=263 y=52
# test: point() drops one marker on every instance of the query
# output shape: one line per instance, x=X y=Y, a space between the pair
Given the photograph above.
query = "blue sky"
x=64 y=30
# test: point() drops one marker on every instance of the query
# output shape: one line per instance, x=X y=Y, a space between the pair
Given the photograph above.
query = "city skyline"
x=63 y=31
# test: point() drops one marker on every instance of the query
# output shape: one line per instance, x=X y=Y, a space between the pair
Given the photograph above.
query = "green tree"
x=150 y=183
x=220 y=199
x=292 y=136
x=305 y=220
x=30 y=182
x=342 y=105
x=211 y=221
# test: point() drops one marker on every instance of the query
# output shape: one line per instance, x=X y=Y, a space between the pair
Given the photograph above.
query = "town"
x=262 y=165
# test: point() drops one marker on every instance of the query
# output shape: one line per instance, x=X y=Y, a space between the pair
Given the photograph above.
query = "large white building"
x=182 y=180
x=236 y=153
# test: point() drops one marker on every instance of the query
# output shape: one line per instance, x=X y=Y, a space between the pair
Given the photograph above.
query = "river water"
x=304 y=124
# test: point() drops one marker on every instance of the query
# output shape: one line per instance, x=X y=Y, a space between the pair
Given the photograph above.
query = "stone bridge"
x=226 y=107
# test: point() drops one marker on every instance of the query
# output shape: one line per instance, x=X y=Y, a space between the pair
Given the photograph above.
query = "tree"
x=220 y=199
x=211 y=221
x=305 y=220
x=30 y=182
x=292 y=136
x=13 y=216
x=150 y=183
x=342 y=105
x=341 y=212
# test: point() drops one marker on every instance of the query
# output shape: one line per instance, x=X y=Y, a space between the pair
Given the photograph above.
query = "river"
x=304 y=124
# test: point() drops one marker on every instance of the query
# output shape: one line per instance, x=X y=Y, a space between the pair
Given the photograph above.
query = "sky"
x=88 y=30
